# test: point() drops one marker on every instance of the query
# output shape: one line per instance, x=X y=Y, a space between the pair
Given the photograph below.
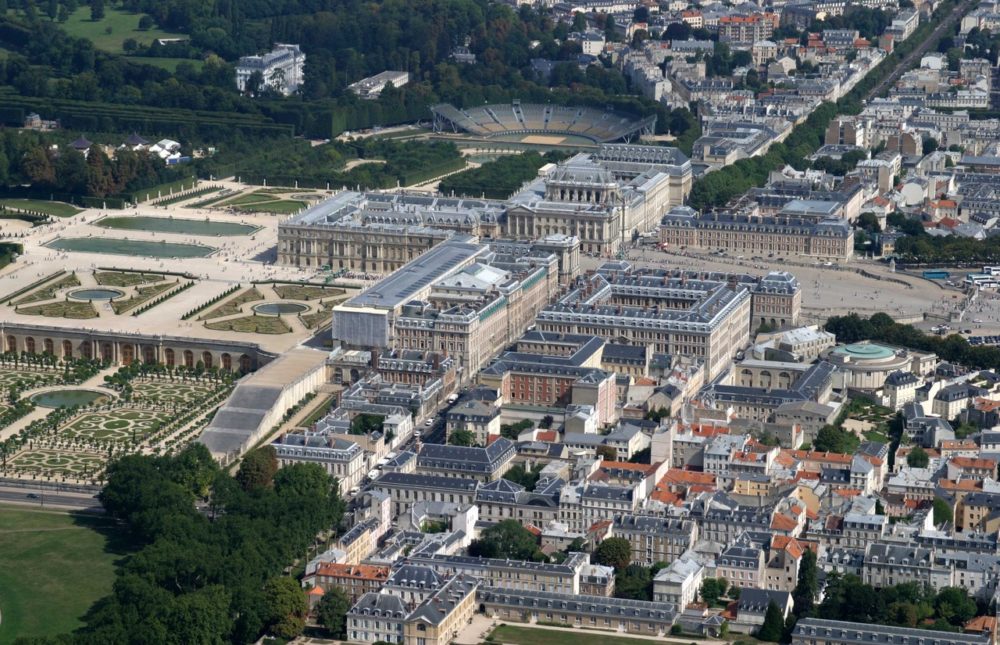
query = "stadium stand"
x=599 y=126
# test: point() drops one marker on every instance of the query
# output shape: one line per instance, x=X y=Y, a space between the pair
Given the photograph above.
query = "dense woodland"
x=29 y=158
x=210 y=549
x=343 y=40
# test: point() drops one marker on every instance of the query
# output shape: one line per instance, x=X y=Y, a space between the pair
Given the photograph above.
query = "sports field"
x=53 y=567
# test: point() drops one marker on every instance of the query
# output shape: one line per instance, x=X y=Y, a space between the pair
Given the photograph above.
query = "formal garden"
x=268 y=308
x=138 y=408
x=83 y=296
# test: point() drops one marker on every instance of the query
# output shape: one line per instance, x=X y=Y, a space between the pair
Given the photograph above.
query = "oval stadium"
x=540 y=124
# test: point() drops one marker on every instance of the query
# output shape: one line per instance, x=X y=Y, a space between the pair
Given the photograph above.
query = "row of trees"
x=909 y=604
x=211 y=548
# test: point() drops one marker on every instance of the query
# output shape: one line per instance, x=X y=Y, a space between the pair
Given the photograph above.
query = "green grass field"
x=56 y=209
x=284 y=206
x=533 y=636
x=122 y=25
x=53 y=567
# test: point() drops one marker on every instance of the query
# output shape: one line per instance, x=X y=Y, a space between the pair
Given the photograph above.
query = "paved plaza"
x=244 y=253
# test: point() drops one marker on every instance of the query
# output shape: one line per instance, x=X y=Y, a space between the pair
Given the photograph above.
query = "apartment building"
x=495 y=573
x=679 y=583
x=747 y=29
x=742 y=564
x=355 y=580
x=483 y=464
x=406 y=489
x=655 y=539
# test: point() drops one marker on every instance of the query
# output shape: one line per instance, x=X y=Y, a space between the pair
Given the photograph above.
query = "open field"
x=109 y=33
x=71 y=559
x=56 y=209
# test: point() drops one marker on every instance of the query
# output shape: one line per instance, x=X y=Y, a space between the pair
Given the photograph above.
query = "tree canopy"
x=507 y=539
x=614 y=552
x=211 y=573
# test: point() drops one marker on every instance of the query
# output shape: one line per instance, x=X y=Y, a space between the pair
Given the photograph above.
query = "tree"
x=712 y=589
x=145 y=23
x=833 y=439
x=774 y=624
x=954 y=605
x=285 y=607
x=462 y=437
x=331 y=612
x=917 y=458
x=520 y=475
x=614 y=552
x=97 y=10
x=508 y=539
x=805 y=590
x=635 y=582
x=942 y=511
x=258 y=468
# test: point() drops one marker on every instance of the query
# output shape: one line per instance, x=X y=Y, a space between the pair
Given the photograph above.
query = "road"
x=921 y=49
x=45 y=498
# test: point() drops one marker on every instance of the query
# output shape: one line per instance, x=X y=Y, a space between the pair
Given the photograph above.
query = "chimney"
x=374 y=359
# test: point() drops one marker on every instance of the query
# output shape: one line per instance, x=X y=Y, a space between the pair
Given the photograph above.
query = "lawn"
x=61 y=309
x=56 y=209
x=250 y=198
x=53 y=567
x=306 y=291
x=113 y=30
x=141 y=295
x=49 y=291
x=283 y=206
x=252 y=325
x=126 y=278
x=534 y=636
x=233 y=305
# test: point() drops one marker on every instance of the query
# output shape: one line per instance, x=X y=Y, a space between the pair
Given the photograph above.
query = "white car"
x=429 y=422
